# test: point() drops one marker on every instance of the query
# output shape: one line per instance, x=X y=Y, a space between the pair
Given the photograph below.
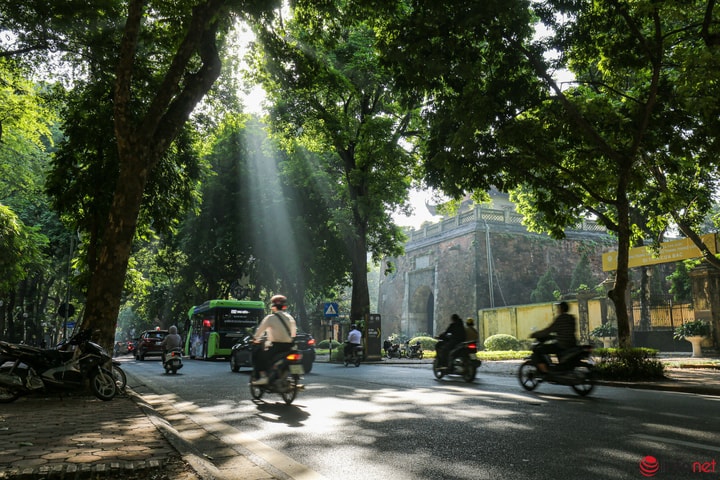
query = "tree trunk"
x=618 y=293
x=142 y=139
x=108 y=276
x=360 y=303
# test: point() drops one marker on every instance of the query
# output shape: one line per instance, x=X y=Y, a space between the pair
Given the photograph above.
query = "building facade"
x=482 y=258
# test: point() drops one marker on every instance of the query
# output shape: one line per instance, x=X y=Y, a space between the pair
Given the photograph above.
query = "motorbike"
x=120 y=377
x=283 y=377
x=575 y=369
x=172 y=360
x=415 y=350
x=27 y=369
x=463 y=361
x=392 y=350
x=356 y=355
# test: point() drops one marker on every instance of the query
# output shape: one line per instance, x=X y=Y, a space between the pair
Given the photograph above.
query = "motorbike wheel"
x=346 y=362
x=420 y=355
x=529 y=376
x=120 y=378
x=469 y=370
x=8 y=396
x=102 y=385
x=256 y=392
x=588 y=383
x=291 y=393
x=357 y=361
x=436 y=370
x=233 y=364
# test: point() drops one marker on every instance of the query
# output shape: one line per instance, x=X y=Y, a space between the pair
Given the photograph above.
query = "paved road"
x=380 y=421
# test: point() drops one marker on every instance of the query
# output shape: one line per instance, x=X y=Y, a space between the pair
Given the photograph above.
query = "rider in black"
x=564 y=327
x=449 y=339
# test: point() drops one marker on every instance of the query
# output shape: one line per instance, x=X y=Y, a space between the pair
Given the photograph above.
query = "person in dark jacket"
x=449 y=339
x=563 y=329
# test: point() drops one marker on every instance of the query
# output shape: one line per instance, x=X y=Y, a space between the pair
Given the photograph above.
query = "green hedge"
x=325 y=344
x=629 y=364
x=426 y=343
x=502 y=342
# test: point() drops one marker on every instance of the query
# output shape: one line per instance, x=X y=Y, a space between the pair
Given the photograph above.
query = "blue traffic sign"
x=331 y=309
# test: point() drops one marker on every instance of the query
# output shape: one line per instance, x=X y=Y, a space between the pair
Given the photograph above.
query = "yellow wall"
x=521 y=320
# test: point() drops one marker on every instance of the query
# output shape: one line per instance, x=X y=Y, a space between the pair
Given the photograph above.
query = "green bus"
x=216 y=325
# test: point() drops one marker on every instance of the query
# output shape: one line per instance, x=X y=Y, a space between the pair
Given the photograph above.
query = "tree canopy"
x=630 y=133
x=330 y=94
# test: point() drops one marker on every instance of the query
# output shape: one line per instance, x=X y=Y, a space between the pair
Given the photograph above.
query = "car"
x=148 y=344
x=306 y=345
x=241 y=353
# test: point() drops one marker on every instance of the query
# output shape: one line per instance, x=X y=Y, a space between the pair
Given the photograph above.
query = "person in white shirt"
x=279 y=329
x=354 y=339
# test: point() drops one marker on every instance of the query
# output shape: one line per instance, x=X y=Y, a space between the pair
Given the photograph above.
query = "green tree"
x=175 y=45
x=330 y=94
x=546 y=288
x=680 y=283
x=627 y=134
x=582 y=275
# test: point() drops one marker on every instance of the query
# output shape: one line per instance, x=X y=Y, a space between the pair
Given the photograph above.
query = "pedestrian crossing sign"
x=331 y=309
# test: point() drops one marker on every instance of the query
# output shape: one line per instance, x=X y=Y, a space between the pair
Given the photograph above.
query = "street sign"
x=671 y=251
x=331 y=309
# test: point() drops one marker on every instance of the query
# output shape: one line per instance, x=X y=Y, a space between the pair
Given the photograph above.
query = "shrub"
x=325 y=344
x=426 y=343
x=604 y=330
x=629 y=364
x=698 y=328
x=501 y=342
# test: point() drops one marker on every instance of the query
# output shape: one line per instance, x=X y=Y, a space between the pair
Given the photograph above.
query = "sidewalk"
x=134 y=437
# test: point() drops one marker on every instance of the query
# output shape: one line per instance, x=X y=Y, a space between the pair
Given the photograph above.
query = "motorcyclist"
x=279 y=328
x=451 y=337
x=354 y=339
x=171 y=341
x=564 y=327
x=470 y=332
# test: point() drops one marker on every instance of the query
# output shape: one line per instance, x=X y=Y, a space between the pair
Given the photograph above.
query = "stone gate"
x=481 y=258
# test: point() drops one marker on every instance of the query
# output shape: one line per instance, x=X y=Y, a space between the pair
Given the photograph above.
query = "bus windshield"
x=216 y=325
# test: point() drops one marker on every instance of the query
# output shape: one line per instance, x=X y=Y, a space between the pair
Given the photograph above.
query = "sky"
x=420 y=211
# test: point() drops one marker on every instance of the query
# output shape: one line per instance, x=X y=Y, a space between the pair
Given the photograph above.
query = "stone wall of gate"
x=480 y=259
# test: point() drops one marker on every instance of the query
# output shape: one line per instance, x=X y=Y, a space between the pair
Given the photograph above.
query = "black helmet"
x=353 y=326
x=563 y=306
x=456 y=318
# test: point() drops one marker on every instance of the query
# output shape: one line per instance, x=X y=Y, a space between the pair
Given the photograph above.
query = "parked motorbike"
x=463 y=361
x=172 y=360
x=575 y=369
x=120 y=377
x=28 y=369
x=283 y=377
x=356 y=355
x=415 y=350
x=392 y=350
